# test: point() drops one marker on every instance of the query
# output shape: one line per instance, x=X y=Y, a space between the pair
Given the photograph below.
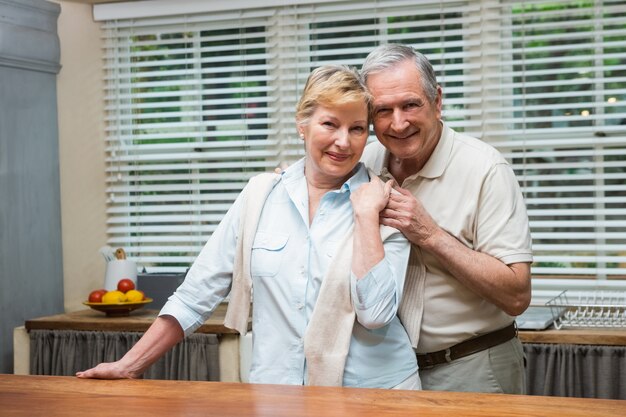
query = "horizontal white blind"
x=191 y=115
x=198 y=103
x=554 y=102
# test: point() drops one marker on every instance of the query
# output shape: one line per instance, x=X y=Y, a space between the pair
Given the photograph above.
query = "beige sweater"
x=328 y=334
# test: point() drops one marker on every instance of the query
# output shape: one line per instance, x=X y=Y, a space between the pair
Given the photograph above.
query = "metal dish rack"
x=605 y=309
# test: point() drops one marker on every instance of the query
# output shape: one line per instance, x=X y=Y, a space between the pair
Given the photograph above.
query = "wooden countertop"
x=51 y=396
x=591 y=336
x=136 y=321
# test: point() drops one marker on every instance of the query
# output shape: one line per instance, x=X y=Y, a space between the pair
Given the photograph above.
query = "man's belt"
x=466 y=348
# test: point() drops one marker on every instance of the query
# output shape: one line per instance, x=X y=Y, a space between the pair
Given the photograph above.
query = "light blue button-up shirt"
x=288 y=262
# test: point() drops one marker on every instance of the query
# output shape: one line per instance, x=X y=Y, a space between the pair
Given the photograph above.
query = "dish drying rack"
x=605 y=309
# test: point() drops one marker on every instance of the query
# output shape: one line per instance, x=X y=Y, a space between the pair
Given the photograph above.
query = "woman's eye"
x=358 y=129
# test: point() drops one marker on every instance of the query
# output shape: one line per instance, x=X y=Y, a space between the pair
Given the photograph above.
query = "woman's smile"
x=339 y=157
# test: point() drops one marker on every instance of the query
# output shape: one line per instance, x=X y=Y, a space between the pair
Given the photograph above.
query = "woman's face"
x=334 y=139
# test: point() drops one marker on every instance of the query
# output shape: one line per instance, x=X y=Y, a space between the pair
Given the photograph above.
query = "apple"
x=96 y=295
x=125 y=284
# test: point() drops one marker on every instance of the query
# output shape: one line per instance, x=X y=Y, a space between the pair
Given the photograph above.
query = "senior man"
x=461 y=207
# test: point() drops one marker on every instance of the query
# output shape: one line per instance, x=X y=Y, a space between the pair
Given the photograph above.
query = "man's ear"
x=439 y=100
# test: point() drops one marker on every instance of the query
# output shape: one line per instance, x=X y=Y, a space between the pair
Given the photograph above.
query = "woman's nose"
x=342 y=139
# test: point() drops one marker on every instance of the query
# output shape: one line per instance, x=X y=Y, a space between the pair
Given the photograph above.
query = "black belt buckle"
x=425 y=361
x=429 y=360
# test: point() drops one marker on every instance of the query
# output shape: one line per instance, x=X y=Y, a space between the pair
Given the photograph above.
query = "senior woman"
x=327 y=278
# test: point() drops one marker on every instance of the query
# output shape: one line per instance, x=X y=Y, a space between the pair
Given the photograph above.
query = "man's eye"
x=414 y=104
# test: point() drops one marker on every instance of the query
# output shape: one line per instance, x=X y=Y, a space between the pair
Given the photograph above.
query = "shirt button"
x=299 y=306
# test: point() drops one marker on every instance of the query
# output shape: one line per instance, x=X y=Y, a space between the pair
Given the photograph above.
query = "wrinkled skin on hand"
x=108 y=370
x=407 y=214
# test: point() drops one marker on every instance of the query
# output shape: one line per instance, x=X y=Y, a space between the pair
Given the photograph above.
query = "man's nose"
x=398 y=120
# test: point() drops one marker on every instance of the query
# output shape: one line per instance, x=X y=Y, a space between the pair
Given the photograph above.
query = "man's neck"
x=401 y=169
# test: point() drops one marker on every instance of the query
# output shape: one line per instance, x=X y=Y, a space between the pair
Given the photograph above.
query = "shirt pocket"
x=268 y=250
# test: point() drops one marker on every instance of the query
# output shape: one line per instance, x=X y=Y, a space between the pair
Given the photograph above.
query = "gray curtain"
x=64 y=352
x=585 y=371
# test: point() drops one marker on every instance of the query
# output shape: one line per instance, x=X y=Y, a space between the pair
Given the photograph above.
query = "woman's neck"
x=317 y=188
x=316 y=191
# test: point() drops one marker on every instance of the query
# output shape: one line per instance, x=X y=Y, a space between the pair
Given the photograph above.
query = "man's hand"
x=405 y=213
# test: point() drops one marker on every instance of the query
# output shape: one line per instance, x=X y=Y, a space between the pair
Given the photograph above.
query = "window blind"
x=198 y=103
x=554 y=91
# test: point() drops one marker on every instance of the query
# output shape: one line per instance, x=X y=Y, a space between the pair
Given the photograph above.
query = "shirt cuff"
x=509 y=258
x=188 y=319
x=375 y=285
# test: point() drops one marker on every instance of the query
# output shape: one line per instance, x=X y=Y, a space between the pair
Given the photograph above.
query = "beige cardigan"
x=328 y=334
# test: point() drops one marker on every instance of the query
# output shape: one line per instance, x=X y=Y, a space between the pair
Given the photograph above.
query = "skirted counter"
x=66 y=343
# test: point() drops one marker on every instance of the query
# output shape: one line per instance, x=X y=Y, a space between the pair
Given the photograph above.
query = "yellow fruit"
x=113 y=297
x=134 y=295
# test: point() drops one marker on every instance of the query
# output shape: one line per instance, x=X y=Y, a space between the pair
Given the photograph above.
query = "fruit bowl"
x=118 y=309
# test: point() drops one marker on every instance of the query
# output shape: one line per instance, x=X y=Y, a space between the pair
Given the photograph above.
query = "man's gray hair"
x=391 y=54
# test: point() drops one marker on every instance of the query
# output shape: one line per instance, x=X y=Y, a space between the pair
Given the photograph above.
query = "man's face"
x=405 y=121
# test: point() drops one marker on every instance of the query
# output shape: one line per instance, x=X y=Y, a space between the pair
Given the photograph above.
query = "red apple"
x=126 y=284
x=96 y=295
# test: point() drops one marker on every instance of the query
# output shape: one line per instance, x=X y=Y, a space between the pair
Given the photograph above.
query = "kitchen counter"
x=136 y=321
x=68 y=396
x=587 y=336
x=541 y=347
x=140 y=320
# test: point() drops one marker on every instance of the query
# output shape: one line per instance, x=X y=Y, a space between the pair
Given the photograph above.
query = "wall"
x=81 y=152
x=31 y=270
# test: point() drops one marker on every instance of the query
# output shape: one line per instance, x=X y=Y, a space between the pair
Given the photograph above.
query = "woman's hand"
x=371 y=198
x=108 y=370
x=367 y=203
x=160 y=337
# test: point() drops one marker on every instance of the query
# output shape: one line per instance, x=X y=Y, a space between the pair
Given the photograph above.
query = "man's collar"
x=436 y=164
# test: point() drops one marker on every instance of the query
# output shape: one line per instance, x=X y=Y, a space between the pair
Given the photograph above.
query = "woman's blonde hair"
x=328 y=86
